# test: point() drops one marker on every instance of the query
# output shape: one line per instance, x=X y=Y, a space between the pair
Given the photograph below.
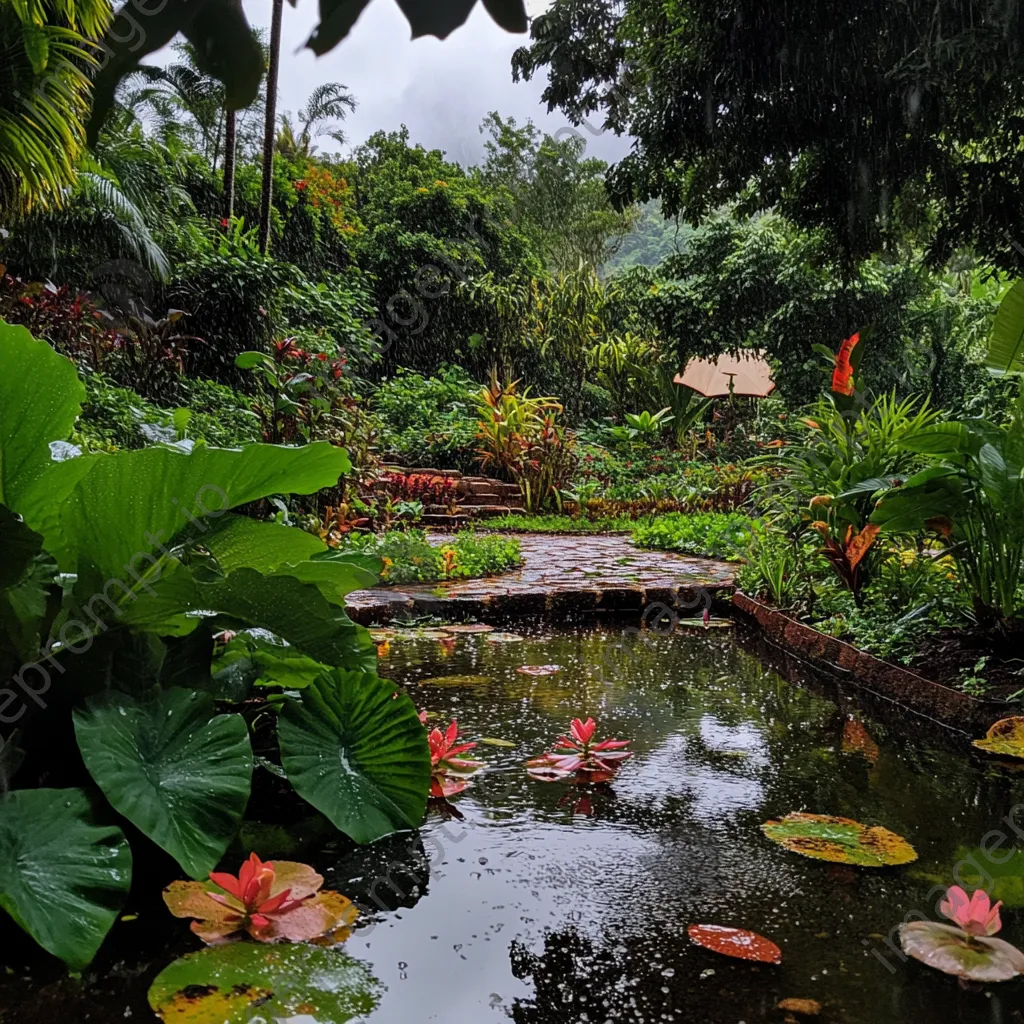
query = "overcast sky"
x=441 y=90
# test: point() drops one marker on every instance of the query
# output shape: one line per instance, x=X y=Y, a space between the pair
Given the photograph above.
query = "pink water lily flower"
x=975 y=914
x=446 y=765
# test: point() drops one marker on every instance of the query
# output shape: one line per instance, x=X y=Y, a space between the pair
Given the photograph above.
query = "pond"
x=543 y=903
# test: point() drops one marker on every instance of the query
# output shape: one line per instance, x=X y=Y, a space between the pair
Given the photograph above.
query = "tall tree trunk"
x=230 y=145
x=270 y=131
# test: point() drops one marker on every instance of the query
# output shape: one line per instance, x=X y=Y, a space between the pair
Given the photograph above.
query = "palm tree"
x=270 y=125
x=327 y=104
x=45 y=60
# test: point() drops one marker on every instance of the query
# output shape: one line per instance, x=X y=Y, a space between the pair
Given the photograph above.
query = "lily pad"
x=840 y=840
x=539 y=670
x=735 y=942
x=504 y=638
x=715 y=623
x=1005 y=738
x=449 y=681
x=493 y=741
x=245 y=981
x=471 y=627
x=950 y=949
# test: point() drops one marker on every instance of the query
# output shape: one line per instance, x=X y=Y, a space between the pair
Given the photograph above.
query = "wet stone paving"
x=560 y=575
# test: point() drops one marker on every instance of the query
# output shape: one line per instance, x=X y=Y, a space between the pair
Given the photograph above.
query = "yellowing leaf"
x=1005 y=738
x=840 y=840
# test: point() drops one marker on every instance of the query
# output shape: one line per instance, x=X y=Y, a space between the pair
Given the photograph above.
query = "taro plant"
x=970 y=498
x=118 y=572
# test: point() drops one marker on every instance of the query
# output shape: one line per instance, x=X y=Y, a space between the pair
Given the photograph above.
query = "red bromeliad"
x=445 y=762
x=578 y=757
x=842 y=375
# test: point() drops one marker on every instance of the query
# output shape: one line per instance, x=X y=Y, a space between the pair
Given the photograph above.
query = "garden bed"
x=903 y=686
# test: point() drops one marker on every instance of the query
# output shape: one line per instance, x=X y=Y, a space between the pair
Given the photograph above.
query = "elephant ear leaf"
x=175 y=770
x=356 y=750
x=32 y=417
x=63 y=876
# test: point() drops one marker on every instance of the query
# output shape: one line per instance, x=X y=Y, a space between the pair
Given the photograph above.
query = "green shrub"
x=115 y=418
x=428 y=421
x=711 y=534
x=409 y=557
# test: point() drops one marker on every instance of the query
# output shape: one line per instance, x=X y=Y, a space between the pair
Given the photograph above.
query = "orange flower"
x=842 y=375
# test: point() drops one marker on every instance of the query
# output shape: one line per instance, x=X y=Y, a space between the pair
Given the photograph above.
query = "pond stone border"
x=903 y=686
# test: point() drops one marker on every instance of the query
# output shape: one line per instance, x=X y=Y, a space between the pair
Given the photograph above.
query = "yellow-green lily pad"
x=493 y=741
x=449 y=681
x=840 y=840
x=248 y=981
x=1005 y=738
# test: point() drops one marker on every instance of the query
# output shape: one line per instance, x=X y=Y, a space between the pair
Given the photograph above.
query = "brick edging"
x=903 y=686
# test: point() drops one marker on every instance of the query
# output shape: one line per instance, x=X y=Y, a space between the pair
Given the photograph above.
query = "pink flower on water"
x=975 y=914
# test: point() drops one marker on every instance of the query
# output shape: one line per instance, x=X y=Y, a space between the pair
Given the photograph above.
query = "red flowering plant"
x=448 y=769
x=301 y=399
x=280 y=901
x=578 y=758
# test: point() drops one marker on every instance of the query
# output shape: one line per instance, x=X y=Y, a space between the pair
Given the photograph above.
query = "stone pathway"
x=561 y=575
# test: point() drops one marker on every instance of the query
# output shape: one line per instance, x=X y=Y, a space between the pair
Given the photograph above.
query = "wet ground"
x=560 y=576
x=540 y=903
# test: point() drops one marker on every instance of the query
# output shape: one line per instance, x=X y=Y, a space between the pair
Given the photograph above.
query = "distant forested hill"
x=650 y=241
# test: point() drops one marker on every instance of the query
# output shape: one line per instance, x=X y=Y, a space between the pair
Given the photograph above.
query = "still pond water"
x=540 y=904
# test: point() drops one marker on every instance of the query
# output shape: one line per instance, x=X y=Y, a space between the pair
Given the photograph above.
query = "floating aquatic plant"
x=1005 y=738
x=578 y=757
x=539 y=670
x=967 y=948
x=840 y=840
x=447 y=768
x=271 y=901
x=735 y=942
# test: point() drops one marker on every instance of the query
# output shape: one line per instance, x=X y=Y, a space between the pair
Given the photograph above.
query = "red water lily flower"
x=579 y=758
x=842 y=375
x=445 y=763
x=252 y=889
x=272 y=901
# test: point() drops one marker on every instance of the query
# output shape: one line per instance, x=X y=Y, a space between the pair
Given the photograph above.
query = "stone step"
x=446 y=521
x=489 y=511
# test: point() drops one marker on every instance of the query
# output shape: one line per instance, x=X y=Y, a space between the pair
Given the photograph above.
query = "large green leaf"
x=172 y=768
x=29 y=597
x=286 y=606
x=426 y=17
x=63 y=877
x=40 y=399
x=358 y=753
x=248 y=981
x=224 y=47
x=129 y=504
x=243 y=543
x=949 y=438
x=1005 y=352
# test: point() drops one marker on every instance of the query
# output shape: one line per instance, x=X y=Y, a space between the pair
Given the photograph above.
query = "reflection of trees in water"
x=389 y=875
x=631 y=980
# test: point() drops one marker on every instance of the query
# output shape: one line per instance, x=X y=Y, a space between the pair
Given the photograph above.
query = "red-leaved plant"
x=447 y=769
x=279 y=901
x=579 y=758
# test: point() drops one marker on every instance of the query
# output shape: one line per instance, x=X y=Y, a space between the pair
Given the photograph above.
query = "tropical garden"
x=249 y=368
